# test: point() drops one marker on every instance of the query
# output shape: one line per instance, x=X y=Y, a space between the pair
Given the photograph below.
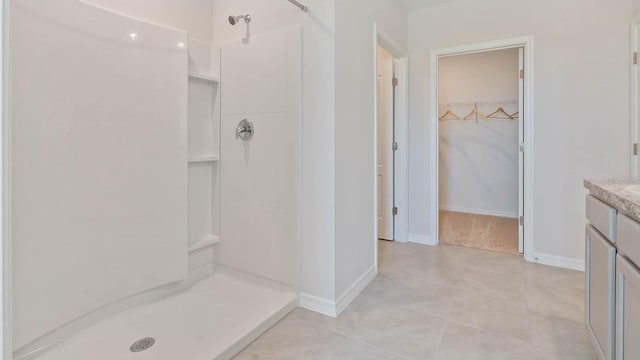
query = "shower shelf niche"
x=203 y=162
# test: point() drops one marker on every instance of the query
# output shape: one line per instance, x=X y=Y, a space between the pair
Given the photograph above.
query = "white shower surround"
x=261 y=81
x=279 y=263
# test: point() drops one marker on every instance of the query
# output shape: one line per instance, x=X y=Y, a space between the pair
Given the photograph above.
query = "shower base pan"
x=214 y=319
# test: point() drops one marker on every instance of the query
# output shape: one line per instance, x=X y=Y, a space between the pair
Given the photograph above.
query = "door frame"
x=634 y=111
x=525 y=42
x=6 y=351
x=401 y=173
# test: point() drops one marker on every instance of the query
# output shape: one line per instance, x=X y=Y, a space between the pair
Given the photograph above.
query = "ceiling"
x=416 y=4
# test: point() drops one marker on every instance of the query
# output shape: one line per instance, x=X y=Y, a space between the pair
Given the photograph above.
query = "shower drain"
x=142 y=344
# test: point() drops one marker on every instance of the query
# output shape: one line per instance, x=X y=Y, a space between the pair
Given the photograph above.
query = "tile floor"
x=486 y=232
x=446 y=303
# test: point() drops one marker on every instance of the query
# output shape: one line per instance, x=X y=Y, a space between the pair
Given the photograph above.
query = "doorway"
x=516 y=110
x=479 y=96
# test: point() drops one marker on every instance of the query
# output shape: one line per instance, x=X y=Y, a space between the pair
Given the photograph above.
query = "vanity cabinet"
x=600 y=286
x=627 y=310
x=628 y=289
x=613 y=268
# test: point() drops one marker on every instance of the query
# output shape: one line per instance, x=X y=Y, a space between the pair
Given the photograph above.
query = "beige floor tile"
x=448 y=303
x=497 y=315
x=385 y=325
x=500 y=285
x=415 y=271
x=541 y=275
x=565 y=337
x=461 y=342
x=556 y=300
x=296 y=339
x=489 y=261
x=432 y=299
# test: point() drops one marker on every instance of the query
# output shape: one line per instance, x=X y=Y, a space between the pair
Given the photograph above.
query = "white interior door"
x=521 y=140
x=385 y=146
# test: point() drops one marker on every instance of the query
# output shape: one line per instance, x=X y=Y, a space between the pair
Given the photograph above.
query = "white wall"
x=193 y=16
x=484 y=76
x=355 y=129
x=317 y=273
x=479 y=159
x=581 y=100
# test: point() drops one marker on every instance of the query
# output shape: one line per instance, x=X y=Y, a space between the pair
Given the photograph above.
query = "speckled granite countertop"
x=623 y=194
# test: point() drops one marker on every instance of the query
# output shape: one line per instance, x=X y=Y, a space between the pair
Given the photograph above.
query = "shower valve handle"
x=244 y=131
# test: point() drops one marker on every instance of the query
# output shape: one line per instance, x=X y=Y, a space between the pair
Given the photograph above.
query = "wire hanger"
x=475 y=113
x=498 y=112
x=449 y=113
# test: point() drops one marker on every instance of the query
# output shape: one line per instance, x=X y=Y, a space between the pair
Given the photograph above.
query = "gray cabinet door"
x=600 y=284
x=628 y=310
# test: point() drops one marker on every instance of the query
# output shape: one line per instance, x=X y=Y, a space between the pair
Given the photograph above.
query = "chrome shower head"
x=234 y=19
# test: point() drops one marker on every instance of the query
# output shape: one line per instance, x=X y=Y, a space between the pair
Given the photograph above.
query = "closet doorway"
x=480 y=112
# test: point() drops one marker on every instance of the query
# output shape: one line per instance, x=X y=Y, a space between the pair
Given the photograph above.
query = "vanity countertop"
x=623 y=194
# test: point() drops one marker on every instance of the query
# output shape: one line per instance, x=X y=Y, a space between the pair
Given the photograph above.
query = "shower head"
x=234 y=19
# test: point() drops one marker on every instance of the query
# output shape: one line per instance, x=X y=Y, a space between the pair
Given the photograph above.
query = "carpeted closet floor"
x=485 y=232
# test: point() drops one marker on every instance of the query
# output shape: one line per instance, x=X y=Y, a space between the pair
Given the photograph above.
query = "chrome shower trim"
x=233 y=20
x=302 y=7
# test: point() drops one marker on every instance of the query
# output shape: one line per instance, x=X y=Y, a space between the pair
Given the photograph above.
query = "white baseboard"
x=421 y=239
x=498 y=213
x=317 y=304
x=334 y=308
x=354 y=290
x=557 y=261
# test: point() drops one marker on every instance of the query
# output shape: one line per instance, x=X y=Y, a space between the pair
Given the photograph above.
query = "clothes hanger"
x=515 y=115
x=447 y=113
x=499 y=111
x=475 y=113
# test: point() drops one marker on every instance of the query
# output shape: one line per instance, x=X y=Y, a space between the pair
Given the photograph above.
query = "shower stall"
x=154 y=185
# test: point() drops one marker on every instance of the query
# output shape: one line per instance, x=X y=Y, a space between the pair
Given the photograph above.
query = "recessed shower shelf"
x=205 y=77
x=204 y=159
x=205 y=242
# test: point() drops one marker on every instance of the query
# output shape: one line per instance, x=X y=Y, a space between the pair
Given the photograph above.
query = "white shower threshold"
x=214 y=319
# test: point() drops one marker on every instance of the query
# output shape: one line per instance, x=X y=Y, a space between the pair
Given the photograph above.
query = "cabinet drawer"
x=627 y=311
x=629 y=238
x=602 y=217
x=600 y=286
